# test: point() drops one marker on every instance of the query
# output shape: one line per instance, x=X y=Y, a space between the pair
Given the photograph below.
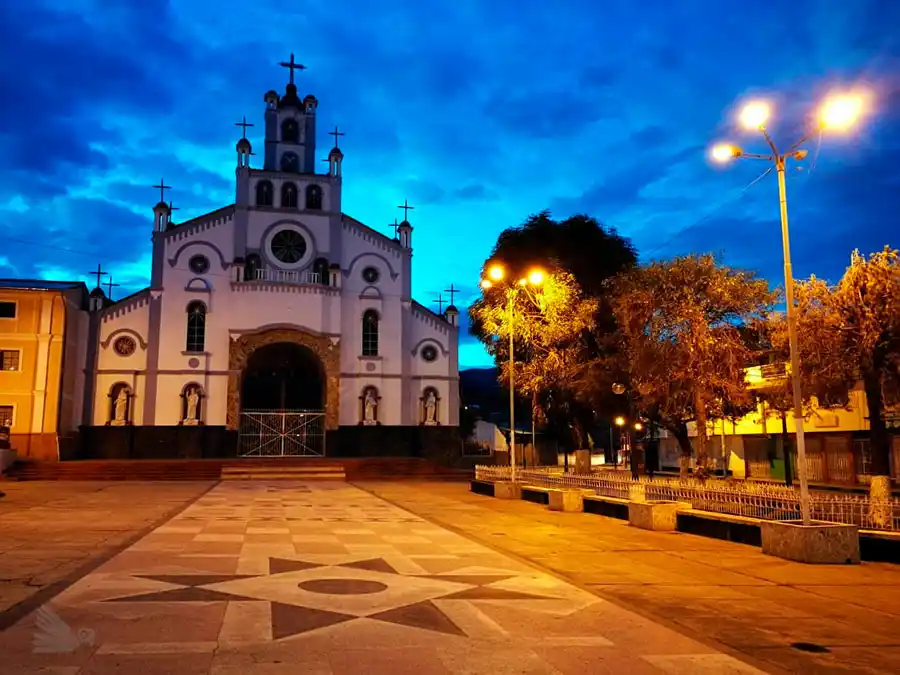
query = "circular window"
x=124 y=346
x=371 y=275
x=199 y=264
x=288 y=246
x=429 y=353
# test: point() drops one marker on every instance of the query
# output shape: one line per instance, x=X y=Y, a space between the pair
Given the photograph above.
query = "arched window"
x=288 y=195
x=290 y=162
x=196 y=327
x=192 y=404
x=120 y=399
x=314 y=198
x=370 y=333
x=264 y=193
x=290 y=131
x=320 y=268
x=252 y=266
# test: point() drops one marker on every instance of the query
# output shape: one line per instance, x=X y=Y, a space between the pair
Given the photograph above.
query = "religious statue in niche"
x=370 y=407
x=120 y=408
x=192 y=407
x=429 y=407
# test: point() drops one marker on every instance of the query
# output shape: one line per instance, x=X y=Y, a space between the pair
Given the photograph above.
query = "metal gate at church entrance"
x=271 y=433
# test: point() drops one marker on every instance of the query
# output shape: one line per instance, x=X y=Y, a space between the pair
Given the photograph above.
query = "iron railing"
x=737 y=498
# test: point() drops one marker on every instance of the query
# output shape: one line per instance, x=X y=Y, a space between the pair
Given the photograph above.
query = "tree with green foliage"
x=581 y=255
x=683 y=352
x=850 y=332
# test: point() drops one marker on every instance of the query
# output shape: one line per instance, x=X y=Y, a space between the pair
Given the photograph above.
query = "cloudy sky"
x=478 y=112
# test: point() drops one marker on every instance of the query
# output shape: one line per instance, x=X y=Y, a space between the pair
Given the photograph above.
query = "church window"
x=199 y=264
x=196 y=327
x=429 y=353
x=251 y=267
x=288 y=246
x=370 y=333
x=6 y=415
x=290 y=162
x=290 y=131
x=288 y=195
x=9 y=359
x=7 y=310
x=124 y=346
x=314 y=198
x=371 y=275
x=264 y=193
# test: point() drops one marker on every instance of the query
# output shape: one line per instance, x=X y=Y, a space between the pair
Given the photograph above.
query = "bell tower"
x=290 y=127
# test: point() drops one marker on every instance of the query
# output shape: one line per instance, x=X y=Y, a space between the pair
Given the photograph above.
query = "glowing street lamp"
x=838 y=112
x=620 y=421
x=535 y=277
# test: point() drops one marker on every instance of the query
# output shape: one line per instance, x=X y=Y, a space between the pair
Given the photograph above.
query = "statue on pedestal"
x=430 y=405
x=370 y=408
x=120 y=408
x=192 y=403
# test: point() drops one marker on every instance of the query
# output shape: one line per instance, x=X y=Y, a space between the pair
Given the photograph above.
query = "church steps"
x=295 y=468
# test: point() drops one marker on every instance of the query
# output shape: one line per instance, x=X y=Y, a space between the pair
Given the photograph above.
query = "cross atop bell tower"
x=290 y=127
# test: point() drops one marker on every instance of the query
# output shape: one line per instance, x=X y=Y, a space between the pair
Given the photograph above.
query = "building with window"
x=44 y=333
x=278 y=318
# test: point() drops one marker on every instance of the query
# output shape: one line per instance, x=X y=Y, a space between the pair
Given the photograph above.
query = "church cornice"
x=127 y=304
x=297 y=289
x=366 y=233
x=200 y=224
x=432 y=319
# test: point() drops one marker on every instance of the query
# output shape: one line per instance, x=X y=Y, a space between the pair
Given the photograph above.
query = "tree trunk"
x=679 y=431
x=879 y=441
x=700 y=405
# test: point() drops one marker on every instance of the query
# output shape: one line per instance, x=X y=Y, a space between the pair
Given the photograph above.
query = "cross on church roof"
x=396 y=227
x=406 y=209
x=293 y=66
x=99 y=273
x=452 y=291
x=109 y=286
x=162 y=189
x=243 y=124
x=440 y=303
x=336 y=133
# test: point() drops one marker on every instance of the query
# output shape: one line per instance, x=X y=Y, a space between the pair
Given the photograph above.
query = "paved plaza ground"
x=284 y=577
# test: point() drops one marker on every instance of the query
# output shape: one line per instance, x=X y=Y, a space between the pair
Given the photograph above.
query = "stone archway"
x=243 y=345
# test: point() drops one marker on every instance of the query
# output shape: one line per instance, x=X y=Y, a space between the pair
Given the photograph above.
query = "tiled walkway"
x=326 y=578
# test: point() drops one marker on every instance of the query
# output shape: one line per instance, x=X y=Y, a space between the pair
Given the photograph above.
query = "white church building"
x=277 y=318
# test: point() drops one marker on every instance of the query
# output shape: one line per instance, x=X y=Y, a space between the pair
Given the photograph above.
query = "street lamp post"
x=496 y=273
x=838 y=112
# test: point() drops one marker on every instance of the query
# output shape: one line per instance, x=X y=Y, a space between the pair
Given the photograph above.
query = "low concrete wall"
x=817 y=543
x=653 y=515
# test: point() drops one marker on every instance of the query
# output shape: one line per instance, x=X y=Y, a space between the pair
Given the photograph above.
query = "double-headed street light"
x=838 y=112
x=497 y=278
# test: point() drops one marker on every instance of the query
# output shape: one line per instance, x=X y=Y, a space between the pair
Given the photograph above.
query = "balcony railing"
x=286 y=276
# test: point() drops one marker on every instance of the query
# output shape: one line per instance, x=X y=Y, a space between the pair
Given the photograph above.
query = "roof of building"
x=42 y=284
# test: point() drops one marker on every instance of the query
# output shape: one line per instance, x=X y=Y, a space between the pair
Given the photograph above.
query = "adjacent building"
x=44 y=333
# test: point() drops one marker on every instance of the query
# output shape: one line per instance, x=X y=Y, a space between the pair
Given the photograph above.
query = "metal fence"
x=737 y=498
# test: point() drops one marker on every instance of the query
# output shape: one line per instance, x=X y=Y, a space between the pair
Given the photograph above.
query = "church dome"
x=290 y=98
x=452 y=309
x=405 y=224
x=243 y=145
x=271 y=96
x=161 y=206
x=336 y=153
x=98 y=293
x=309 y=98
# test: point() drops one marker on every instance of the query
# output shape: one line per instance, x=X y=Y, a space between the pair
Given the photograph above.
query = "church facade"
x=277 y=318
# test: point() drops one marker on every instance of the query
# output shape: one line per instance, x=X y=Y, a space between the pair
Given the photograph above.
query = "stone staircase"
x=292 y=468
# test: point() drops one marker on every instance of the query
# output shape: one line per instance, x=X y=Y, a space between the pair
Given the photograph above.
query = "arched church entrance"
x=282 y=392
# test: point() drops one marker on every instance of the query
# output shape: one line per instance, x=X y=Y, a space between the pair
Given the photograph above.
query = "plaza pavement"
x=724 y=593
x=283 y=577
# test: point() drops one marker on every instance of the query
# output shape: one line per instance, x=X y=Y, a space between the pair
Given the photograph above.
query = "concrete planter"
x=508 y=490
x=818 y=543
x=583 y=462
x=653 y=515
x=566 y=500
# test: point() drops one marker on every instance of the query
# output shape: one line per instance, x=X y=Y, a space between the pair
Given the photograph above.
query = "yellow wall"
x=38 y=333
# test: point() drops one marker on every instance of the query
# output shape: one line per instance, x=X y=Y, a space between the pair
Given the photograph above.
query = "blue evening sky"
x=479 y=113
